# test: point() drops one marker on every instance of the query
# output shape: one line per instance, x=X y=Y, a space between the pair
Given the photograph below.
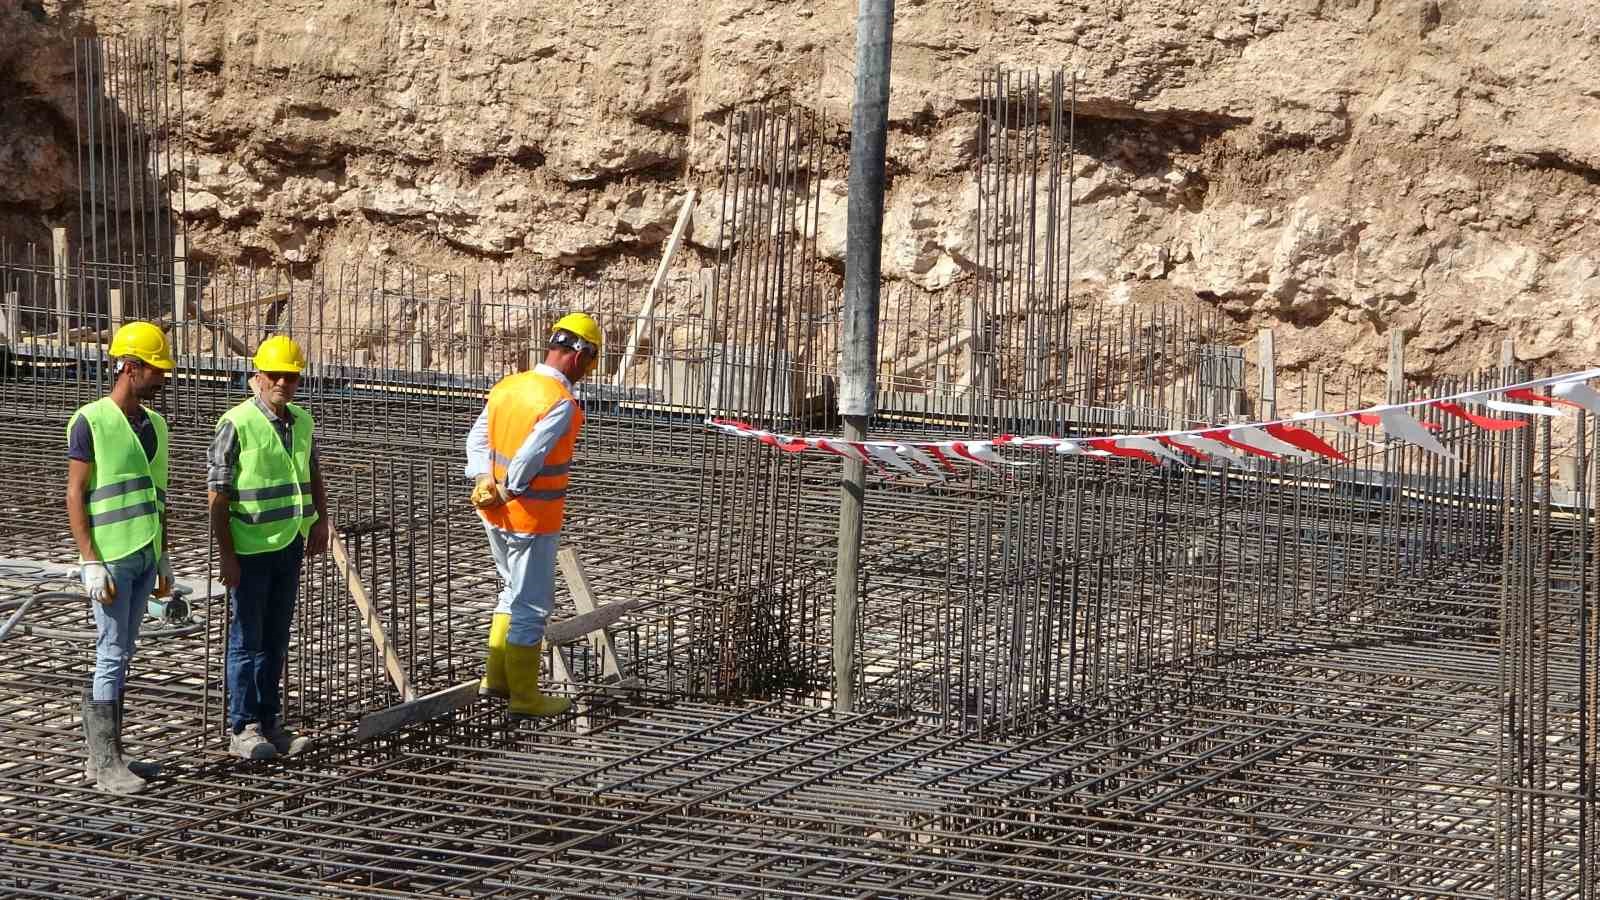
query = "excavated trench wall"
x=1334 y=168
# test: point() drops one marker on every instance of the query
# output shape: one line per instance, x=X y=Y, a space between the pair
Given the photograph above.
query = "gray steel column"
x=858 y=345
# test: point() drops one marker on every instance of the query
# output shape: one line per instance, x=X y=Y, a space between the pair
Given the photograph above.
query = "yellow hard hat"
x=279 y=353
x=144 y=341
x=581 y=325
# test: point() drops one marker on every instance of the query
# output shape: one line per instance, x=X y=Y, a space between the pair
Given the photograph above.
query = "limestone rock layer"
x=1334 y=168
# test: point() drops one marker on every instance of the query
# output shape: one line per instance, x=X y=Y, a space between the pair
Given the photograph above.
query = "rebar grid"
x=773 y=800
x=1370 y=678
x=1303 y=703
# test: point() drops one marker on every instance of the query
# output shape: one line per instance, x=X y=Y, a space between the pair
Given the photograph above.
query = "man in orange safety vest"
x=519 y=452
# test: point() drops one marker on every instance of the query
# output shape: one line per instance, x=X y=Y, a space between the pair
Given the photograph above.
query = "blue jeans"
x=258 y=638
x=527 y=567
x=117 y=625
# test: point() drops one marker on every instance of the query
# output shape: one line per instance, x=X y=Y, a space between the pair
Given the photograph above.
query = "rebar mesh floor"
x=1095 y=684
x=1327 y=787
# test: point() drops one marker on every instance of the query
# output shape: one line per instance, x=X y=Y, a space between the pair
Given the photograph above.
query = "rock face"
x=1334 y=168
x=37 y=160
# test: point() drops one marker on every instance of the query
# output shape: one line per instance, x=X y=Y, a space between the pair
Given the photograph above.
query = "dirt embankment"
x=1334 y=168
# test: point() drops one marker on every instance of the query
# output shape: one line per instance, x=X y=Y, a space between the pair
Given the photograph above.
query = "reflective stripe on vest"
x=516 y=404
x=127 y=490
x=272 y=503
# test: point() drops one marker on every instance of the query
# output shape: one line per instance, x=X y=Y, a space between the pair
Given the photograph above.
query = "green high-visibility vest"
x=127 y=490
x=273 y=486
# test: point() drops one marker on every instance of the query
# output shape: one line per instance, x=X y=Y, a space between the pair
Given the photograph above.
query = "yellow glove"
x=486 y=494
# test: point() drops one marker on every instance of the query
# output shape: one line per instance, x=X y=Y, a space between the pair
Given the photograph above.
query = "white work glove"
x=97 y=582
x=163 y=577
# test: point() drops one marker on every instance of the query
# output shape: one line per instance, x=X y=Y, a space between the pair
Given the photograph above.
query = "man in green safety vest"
x=117 y=510
x=268 y=512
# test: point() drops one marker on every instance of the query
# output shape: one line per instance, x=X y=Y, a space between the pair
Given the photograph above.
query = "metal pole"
x=858 y=351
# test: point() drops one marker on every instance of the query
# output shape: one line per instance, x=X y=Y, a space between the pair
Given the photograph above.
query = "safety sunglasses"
x=572 y=342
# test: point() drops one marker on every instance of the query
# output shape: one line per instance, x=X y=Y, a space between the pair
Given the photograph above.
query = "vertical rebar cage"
x=1372 y=677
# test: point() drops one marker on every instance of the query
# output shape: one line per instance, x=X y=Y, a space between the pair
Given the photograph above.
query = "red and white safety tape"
x=1277 y=440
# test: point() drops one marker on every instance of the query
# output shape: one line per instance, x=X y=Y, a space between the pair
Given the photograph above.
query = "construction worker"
x=518 y=455
x=116 y=507
x=268 y=511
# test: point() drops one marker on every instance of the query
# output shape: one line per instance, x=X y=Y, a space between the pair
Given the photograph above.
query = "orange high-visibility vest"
x=516 y=404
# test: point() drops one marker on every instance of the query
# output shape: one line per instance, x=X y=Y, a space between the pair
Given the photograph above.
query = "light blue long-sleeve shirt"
x=529 y=458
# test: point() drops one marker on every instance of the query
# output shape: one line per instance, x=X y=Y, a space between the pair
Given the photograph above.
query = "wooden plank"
x=1397 y=366
x=951 y=345
x=115 y=308
x=1267 y=363
x=655 y=287
x=180 y=278
x=583 y=600
x=58 y=240
x=369 y=616
x=421 y=352
x=475 y=333
x=12 y=322
x=428 y=706
x=569 y=631
x=229 y=339
x=252 y=303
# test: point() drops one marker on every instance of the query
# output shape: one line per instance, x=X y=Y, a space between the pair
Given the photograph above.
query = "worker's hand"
x=317 y=541
x=486 y=494
x=228 y=567
x=97 y=582
x=163 y=576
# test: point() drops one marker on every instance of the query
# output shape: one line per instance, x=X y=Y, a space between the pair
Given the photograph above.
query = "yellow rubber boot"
x=527 y=701
x=494 y=679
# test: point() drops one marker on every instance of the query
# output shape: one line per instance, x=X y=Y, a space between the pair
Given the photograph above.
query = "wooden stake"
x=114 y=308
x=949 y=346
x=655 y=287
x=1397 y=366
x=1269 y=376
x=13 y=319
x=369 y=617
x=421 y=353
x=58 y=239
x=583 y=601
x=180 y=279
x=590 y=622
x=475 y=334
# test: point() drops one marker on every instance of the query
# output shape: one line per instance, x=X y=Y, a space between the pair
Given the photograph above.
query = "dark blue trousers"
x=258 y=638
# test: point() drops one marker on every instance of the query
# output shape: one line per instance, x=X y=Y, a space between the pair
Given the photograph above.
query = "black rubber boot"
x=100 y=727
x=90 y=768
x=145 y=770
